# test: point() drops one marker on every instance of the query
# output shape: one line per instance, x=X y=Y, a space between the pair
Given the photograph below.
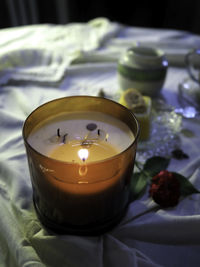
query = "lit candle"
x=63 y=136
x=80 y=164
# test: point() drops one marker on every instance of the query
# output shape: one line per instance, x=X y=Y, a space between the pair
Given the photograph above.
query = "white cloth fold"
x=41 y=53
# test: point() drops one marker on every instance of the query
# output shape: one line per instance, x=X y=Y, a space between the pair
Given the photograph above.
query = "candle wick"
x=64 y=137
x=58 y=132
x=87 y=142
x=83 y=159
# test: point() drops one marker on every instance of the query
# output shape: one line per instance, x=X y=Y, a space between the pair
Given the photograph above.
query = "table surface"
x=39 y=63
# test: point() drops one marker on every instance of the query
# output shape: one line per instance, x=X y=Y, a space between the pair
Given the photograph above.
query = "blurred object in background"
x=25 y=12
x=22 y=12
x=180 y=14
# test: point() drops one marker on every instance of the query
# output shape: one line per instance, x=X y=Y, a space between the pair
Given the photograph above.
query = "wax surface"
x=70 y=132
x=69 y=152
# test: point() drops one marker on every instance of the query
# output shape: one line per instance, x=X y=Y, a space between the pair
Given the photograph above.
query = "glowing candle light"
x=83 y=154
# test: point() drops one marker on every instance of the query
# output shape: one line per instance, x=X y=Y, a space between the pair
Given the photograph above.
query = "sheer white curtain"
x=24 y=12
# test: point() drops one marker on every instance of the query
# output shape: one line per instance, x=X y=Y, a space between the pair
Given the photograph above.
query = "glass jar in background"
x=142 y=68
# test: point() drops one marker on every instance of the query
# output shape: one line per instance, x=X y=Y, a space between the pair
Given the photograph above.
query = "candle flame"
x=83 y=154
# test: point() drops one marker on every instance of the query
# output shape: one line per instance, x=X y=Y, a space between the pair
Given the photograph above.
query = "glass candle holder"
x=81 y=153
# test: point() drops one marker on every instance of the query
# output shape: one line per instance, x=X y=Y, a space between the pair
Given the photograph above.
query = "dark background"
x=170 y=14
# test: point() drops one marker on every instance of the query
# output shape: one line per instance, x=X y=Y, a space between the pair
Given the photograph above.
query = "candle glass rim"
x=88 y=163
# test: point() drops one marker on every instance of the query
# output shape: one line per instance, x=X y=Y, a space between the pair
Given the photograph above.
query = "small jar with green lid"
x=142 y=68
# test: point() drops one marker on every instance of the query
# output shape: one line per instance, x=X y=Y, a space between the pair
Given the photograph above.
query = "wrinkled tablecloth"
x=41 y=62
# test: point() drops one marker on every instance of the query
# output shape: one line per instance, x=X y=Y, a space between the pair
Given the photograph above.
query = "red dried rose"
x=165 y=189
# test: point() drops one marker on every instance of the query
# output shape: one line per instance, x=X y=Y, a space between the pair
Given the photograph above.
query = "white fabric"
x=34 y=68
